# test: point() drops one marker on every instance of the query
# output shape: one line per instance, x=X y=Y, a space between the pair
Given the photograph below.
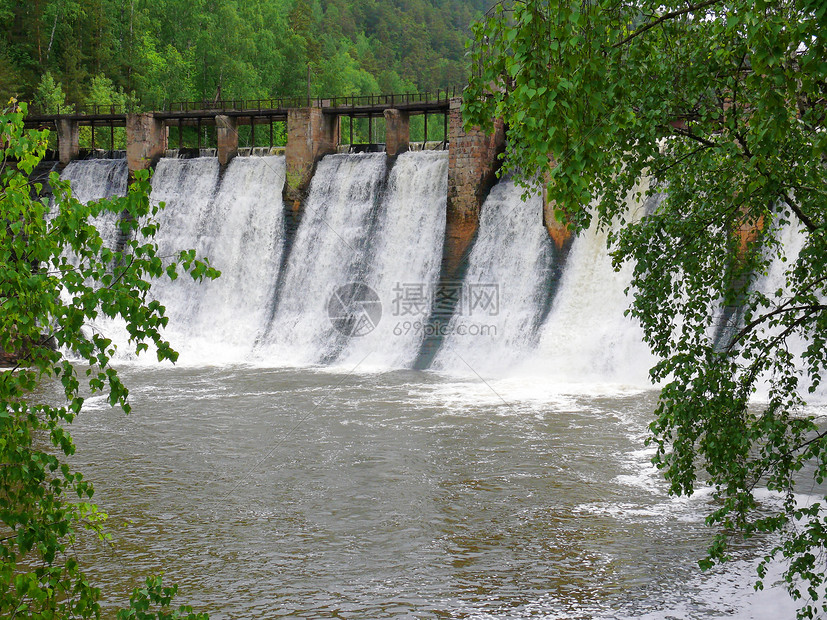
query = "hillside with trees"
x=58 y=52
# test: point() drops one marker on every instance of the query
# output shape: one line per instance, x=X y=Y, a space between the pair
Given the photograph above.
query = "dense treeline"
x=58 y=52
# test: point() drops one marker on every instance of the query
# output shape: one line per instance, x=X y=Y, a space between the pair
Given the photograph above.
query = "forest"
x=144 y=54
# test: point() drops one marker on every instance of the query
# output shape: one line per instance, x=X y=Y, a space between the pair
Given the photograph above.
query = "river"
x=322 y=493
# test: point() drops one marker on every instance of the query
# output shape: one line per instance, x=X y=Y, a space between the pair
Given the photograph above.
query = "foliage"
x=49 y=96
x=177 y=50
x=720 y=105
x=155 y=593
x=57 y=275
x=110 y=99
x=164 y=71
x=103 y=92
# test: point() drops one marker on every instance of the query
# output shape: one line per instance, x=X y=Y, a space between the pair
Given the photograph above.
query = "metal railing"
x=353 y=101
x=256 y=105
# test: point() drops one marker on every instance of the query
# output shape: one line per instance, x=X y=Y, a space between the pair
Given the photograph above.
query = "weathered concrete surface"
x=68 y=140
x=397 y=132
x=472 y=166
x=22 y=355
x=473 y=160
x=558 y=230
x=8 y=360
x=747 y=232
x=226 y=138
x=146 y=141
x=310 y=135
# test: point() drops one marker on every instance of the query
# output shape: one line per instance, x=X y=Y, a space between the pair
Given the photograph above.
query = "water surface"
x=316 y=494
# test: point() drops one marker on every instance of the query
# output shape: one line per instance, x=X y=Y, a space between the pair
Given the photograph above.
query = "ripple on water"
x=277 y=493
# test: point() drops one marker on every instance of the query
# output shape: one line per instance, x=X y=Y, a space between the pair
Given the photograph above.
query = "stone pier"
x=558 y=229
x=68 y=140
x=146 y=141
x=473 y=160
x=310 y=135
x=226 y=133
x=397 y=132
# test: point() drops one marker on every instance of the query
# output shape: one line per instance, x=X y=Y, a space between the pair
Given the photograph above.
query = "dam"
x=360 y=427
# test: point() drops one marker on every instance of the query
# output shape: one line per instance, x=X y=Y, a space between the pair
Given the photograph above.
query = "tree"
x=164 y=73
x=719 y=107
x=103 y=93
x=56 y=275
x=49 y=97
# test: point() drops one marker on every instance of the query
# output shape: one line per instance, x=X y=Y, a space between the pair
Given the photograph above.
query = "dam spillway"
x=380 y=223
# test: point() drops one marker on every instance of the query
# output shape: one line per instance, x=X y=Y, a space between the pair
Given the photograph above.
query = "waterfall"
x=402 y=262
x=328 y=252
x=367 y=229
x=793 y=241
x=93 y=179
x=586 y=337
x=508 y=285
x=235 y=219
x=792 y=237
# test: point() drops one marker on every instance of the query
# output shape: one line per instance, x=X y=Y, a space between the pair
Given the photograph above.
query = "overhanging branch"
x=663 y=18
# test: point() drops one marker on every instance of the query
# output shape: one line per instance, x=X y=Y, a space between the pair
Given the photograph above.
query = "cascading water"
x=356 y=230
x=586 y=337
x=508 y=286
x=187 y=187
x=489 y=485
x=93 y=179
x=237 y=222
x=329 y=251
x=402 y=262
x=774 y=284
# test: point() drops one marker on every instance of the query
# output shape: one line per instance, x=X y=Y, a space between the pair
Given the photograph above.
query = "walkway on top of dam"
x=257 y=110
